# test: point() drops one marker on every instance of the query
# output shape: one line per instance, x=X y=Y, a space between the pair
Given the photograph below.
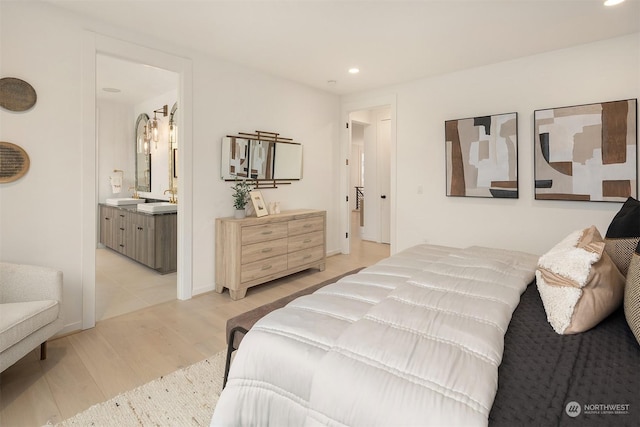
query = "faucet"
x=172 y=198
x=135 y=192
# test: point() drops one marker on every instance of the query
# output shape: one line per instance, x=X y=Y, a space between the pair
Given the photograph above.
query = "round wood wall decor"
x=16 y=94
x=14 y=162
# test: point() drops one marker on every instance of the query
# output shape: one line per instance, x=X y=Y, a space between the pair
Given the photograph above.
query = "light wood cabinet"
x=151 y=240
x=252 y=250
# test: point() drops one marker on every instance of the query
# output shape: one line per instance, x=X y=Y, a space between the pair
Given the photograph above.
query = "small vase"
x=240 y=213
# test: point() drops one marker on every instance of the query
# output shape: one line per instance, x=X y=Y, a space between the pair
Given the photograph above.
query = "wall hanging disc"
x=16 y=94
x=14 y=162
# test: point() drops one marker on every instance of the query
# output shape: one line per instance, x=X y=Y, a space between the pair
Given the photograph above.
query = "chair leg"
x=43 y=350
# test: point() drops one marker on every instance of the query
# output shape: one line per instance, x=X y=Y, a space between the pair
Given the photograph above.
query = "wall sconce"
x=153 y=123
x=173 y=128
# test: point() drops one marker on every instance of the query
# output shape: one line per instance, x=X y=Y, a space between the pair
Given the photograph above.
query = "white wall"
x=603 y=71
x=41 y=214
x=115 y=147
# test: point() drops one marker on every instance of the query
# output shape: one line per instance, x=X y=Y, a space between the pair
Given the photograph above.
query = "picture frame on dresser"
x=259 y=205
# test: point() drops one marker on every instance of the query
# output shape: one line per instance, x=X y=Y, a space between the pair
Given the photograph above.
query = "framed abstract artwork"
x=586 y=152
x=482 y=156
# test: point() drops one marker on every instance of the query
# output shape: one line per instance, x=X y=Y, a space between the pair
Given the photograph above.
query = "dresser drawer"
x=306 y=225
x=306 y=241
x=261 y=233
x=262 y=268
x=306 y=256
x=262 y=250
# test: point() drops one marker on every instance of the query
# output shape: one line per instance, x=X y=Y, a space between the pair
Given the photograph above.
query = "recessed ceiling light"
x=354 y=70
x=111 y=89
x=612 y=2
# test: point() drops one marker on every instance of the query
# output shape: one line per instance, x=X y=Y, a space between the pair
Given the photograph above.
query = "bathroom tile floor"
x=123 y=285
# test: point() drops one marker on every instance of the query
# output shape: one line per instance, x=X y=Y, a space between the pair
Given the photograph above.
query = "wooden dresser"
x=252 y=250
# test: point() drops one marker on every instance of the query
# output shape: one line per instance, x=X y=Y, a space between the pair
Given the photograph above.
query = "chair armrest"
x=22 y=283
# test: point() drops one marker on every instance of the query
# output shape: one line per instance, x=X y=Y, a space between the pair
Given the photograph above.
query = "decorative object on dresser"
x=252 y=251
x=150 y=239
x=258 y=203
x=241 y=192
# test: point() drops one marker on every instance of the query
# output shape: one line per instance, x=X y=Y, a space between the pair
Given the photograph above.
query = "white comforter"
x=413 y=340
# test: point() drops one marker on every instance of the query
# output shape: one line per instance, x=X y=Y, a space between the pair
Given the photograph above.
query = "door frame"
x=94 y=43
x=348 y=107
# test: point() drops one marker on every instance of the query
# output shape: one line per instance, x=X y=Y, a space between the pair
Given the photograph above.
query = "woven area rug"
x=185 y=397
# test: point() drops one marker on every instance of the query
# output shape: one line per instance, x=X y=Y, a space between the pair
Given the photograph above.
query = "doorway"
x=94 y=44
x=125 y=92
x=370 y=172
x=374 y=103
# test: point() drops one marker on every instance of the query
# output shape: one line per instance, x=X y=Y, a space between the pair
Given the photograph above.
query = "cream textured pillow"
x=632 y=294
x=578 y=282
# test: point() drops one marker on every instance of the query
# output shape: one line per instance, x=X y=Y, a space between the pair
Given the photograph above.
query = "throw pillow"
x=578 y=282
x=632 y=294
x=623 y=234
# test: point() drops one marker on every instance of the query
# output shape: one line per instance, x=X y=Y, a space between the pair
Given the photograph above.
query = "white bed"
x=415 y=339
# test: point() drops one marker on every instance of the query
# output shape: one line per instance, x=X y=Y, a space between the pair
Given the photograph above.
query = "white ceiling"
x=391 y=41
x=136 y=82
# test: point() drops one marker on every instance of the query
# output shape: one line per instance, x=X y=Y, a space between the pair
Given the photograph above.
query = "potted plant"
x=240 y=197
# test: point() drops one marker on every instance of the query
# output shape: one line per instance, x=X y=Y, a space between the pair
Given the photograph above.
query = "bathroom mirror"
x=142 y=155
x=258 y=159
x=173 y=148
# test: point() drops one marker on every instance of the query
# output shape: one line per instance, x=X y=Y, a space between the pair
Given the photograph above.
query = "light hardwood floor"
x=128 y=350
x=124 y=285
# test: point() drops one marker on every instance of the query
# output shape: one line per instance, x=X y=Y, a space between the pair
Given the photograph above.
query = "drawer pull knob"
x=121 y=228
x=308 y=225
x=264 y=251
x=266 y=267
x=267 y=232
x=307 y=241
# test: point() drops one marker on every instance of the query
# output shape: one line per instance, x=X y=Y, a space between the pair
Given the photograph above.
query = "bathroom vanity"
x=150 y=239
x=252 y=250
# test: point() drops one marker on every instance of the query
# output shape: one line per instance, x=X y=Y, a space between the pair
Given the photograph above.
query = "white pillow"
x=578 y=282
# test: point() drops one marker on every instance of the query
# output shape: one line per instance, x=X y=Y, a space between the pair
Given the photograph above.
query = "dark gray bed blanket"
x=542 y=372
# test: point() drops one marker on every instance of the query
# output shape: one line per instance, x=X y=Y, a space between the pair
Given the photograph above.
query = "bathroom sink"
x=124 y=201
x=158 y=207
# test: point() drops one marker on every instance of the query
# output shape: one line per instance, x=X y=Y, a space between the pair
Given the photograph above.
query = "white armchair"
x=30 y=310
